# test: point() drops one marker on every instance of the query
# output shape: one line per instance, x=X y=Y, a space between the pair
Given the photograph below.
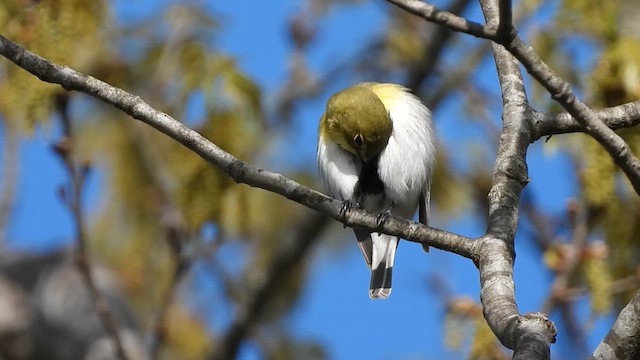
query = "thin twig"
x=456 y=78
x=624 y=284
x=571 y=263
x=181 y=268
x=288 y=254
x=617 y=117
x=73 y=200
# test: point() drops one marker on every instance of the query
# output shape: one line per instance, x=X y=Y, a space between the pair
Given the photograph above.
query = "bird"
x=376 y=150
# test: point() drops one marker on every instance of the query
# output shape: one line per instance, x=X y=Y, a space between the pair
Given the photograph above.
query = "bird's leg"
x=382 y=218
x=346 y=207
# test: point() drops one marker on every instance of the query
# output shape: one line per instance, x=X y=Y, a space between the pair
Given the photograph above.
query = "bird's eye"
x=358 y=140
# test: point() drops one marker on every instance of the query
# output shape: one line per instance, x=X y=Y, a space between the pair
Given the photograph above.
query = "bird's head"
x=357 y=120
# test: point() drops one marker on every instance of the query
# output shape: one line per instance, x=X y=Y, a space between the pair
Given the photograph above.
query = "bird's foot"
x=382 y=218
x=347 y=205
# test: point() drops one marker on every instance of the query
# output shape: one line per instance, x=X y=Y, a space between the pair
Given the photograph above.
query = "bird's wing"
x=365 y=244
x=423 y=212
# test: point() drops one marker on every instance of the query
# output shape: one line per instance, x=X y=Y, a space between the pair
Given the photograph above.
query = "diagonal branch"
x=616 y=117
x=240 y=171
x=623 y=340
x=506 y=35
x=439 y=39
x=561 y=92
x=450 y=20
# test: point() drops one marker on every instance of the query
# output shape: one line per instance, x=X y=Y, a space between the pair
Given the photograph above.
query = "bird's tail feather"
x=384 y=253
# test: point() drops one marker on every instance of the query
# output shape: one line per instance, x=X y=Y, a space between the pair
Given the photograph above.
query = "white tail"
x=383 y=256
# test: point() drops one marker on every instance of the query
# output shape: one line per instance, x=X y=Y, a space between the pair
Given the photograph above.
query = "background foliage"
x=190 y=249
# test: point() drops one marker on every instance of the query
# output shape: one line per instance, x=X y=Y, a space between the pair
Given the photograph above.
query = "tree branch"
x=561 y=92
x=182 y=264
x=240 y=171
x=432 y=52
x=559 y=89
x=623 y=340
x=72 y=196
x=452 y=21
x=528 y=335
x=505 y=19
x=616 y=117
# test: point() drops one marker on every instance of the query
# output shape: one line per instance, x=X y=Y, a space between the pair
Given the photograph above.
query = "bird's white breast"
x=407 y=162
x=337 y=169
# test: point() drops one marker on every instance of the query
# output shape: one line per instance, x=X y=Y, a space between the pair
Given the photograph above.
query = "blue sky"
x=334 y=308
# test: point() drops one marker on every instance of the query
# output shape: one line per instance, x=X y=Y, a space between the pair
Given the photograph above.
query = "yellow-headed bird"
x=376 y=150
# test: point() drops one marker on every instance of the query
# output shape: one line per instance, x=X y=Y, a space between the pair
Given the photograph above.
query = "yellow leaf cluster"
x=463 y=319
x=597 y=176
x=598 y=279
x=616 y=77
x=454 y=330
x=186 y=335
x=484 y=344
x=65 y=31
x=405 y=40
x=594 y=17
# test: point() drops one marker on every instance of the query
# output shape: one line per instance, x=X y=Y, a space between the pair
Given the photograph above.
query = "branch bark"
x=528 y=335
x=616 y=117
x=445 y=18
x=505 y=34
x=623 y=340
x=240 y=171
x=438 y=40
x=561 y=92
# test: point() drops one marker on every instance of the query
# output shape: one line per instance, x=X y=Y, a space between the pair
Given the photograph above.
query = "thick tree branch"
x=240 y=171
x=528 y=335
x=623 y=340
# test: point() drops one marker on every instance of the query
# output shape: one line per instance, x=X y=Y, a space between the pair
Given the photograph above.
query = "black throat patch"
x=369 y=182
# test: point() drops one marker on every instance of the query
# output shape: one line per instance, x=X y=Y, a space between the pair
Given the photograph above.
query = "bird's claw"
x=347 y=205
x=382 y=218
